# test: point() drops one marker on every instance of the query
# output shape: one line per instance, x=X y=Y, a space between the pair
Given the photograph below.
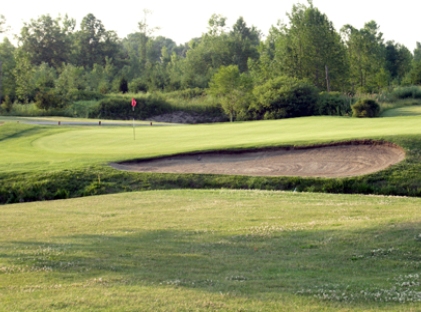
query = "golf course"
x=145 y=240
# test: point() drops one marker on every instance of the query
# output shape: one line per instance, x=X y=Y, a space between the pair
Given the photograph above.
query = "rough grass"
x=212 y=250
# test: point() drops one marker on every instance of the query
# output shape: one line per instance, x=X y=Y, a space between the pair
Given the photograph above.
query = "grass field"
x=403 y=111
x=50 y=162
x=51 y=148
x=212 y=250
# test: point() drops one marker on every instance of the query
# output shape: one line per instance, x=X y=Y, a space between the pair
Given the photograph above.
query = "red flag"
x=133 y=102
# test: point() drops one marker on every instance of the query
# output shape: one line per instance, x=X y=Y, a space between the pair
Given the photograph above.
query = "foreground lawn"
x=212 y=250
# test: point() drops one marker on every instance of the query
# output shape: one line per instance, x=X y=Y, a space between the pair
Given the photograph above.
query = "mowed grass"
x=185 y=250
x=403 y=111
x=28 y=147
x=212 y=250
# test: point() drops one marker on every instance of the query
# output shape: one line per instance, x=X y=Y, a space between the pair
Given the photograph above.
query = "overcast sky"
x=182 y=20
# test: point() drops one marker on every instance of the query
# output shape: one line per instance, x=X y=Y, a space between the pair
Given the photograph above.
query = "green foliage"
x=138 y=85
x=244 y=44
x=8 y=64
x=333 y=104
x=92 y=62
x=414 y=76
x=48 y=40
x=120 y=108
x=23 y=72
x=192 y=93
x=365 y=108
x=366 y=56
x=3 y=28
x=7 y=105
x=310 y=48
x=413 y=92
x=47 y=98
x=194 y=101
x=232 y=88
x=93 y=44
x=71 y=82
x=285 y=97
x=44 y=77
x=398 y=60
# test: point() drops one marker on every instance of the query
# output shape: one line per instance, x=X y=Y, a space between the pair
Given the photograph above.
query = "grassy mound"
x=186 y=250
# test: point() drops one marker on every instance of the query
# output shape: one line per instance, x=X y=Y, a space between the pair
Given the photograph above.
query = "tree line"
x=54 y=63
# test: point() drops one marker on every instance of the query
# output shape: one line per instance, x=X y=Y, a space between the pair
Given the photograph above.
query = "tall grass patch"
x=413 y=92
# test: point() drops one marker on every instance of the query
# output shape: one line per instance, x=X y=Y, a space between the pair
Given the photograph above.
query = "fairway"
x=212 y=250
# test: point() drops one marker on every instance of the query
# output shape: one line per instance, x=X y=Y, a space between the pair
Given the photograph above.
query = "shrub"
x=7 y=105
x=46 y=99
x=84 y=95
x=138 y=85
x=365 y=108
x=285 y=97
x=192 y=93
x=407 y=92
x=186 y=94
x=120 y=108
x=333 y=104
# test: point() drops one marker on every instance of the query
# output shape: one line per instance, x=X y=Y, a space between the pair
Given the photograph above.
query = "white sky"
x=182 y=20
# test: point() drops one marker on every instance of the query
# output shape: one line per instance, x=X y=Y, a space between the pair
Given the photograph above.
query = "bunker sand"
x=335 y=160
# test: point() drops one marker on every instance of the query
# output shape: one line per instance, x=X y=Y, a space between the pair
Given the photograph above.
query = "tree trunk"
x=1 y=74
x=327 y=79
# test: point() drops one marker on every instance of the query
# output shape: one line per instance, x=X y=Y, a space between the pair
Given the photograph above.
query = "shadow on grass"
x=365 y=267
x=14 y=131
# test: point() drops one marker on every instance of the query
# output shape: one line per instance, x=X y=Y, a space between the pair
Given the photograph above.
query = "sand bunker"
x=339 y=160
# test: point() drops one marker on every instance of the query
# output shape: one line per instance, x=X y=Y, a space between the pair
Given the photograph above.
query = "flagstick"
x=134 y=134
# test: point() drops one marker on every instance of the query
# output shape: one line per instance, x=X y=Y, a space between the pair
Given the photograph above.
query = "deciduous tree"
x=93 y=43
x=366 y=55
x=48 y=40
x=8 y=64
x=232 y=88
x=310 y=48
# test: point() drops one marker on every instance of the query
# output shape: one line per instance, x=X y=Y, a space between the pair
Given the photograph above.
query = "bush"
x=186 y=94
x=83 y=95
x=413 y=92
x=120 y=108
x=285 y=97
x=333 y=104
x=192 y=93
x=365 y=108
x=47 y=99
x=138 y=85
x=7 y=105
